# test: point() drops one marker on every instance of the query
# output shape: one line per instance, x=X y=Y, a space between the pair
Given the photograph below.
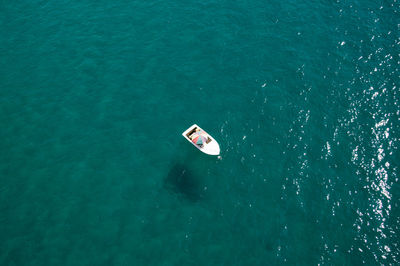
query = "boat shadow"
x=182 y=181
x=183 y=177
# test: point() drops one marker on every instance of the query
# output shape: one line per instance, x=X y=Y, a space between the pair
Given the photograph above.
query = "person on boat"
x=193 y=135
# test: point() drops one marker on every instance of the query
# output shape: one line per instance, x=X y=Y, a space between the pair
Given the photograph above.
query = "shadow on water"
x=181 y=180
x=189 y=168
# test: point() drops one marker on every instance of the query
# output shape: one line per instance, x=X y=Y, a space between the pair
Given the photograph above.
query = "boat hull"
x=210 y=148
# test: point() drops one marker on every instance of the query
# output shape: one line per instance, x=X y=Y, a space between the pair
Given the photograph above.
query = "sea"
x=302 y=96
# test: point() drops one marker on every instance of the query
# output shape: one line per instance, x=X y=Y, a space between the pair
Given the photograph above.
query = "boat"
x=201 y=140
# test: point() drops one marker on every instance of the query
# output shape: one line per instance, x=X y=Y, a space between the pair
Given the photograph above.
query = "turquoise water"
x=303 y=97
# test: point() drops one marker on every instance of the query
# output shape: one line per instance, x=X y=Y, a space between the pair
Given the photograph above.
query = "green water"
x=302 y=96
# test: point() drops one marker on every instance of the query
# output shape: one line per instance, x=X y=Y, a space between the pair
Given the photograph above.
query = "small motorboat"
x=201 y=140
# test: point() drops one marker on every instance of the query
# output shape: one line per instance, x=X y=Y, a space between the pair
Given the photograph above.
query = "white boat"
x=201 y=140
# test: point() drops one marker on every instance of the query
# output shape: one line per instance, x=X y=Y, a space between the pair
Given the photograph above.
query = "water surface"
x=303 y=97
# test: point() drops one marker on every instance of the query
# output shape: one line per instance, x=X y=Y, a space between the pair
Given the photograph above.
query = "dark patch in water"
x=182 y=181
x=268 y=239
x=269 y=246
